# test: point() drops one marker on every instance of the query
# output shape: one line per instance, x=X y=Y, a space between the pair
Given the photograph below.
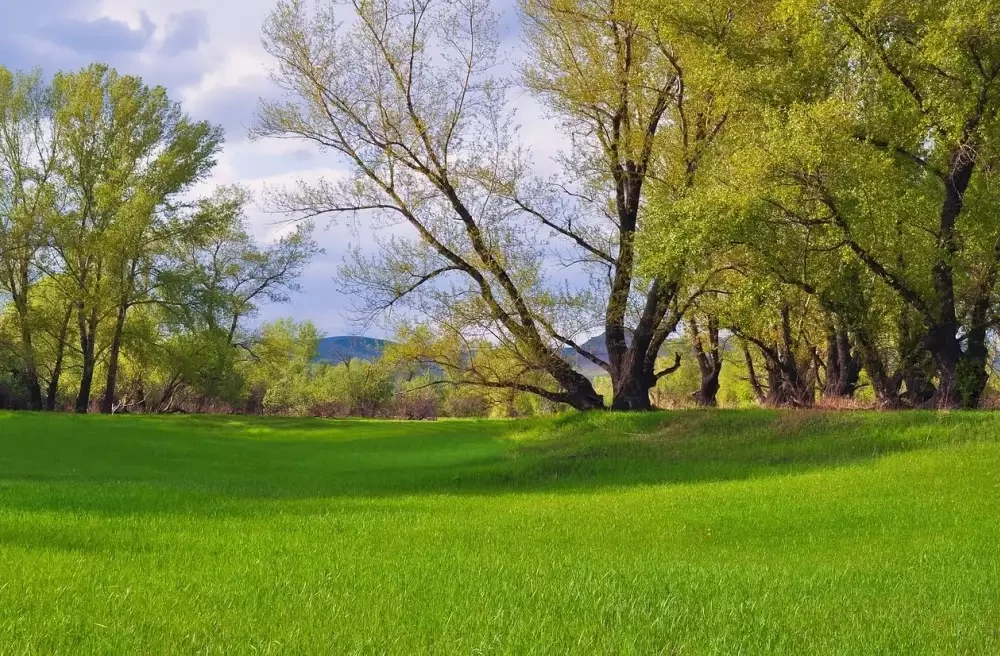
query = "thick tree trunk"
x=578 y=390
x=708 y=391
x=636 y=380
x=709 y=362
x=633 y=362
x=961 y=376
x=582 y=395
x=632 y=394
x=843 y=368
x=633 y=380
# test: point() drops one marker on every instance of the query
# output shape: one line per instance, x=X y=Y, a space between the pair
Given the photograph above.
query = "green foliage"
x=283 y=371
x=855 y=170
x=815 y=179
x=119 y=281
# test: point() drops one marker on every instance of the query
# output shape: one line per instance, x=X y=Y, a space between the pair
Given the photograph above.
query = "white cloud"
x=208 y=54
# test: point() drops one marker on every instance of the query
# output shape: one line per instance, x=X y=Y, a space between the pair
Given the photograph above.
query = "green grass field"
x=695 y=532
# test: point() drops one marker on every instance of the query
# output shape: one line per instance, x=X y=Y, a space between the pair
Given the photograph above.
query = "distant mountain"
x=598 y=347
x=345 y=348
x=595 y=346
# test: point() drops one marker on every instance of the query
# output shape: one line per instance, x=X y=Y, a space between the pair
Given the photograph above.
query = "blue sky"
x=208 y=54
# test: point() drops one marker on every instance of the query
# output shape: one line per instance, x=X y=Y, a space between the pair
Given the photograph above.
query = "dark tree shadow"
x=197 y=465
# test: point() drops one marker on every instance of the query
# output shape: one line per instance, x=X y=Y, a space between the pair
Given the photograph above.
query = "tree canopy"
x=798 y=194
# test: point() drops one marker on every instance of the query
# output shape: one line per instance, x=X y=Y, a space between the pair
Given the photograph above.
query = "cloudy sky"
x=208 y=54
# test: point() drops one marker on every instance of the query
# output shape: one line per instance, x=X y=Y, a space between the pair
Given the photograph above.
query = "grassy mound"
x=691 y=532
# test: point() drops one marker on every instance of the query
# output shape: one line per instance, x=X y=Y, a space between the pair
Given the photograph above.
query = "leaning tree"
x=409 y=94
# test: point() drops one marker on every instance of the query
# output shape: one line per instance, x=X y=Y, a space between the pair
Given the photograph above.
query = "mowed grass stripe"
x=696 y=532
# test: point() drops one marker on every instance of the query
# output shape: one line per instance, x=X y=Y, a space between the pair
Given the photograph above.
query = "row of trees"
x=122 y=286
x=803 y=185
x=812 y=180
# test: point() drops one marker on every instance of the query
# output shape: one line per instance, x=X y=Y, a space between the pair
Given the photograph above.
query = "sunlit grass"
x=724 y=532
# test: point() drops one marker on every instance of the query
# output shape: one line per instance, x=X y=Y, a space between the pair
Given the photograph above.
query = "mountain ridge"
x=344 y=348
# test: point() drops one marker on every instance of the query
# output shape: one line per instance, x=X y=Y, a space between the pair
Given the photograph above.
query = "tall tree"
x=126 y=154
x=28 y=192
x=406 y=95
x=142 y=240
x=629 y=94
x=430 y=135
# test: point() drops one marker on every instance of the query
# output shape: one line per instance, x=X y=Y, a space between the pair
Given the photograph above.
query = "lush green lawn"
x=729 y=532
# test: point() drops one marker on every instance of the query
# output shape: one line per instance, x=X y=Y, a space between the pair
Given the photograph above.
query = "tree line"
x=802 y=190
x=123 y=286
x=806 y=184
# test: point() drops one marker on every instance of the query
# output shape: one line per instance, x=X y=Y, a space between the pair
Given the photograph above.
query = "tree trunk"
x=709 y=363
x=578 y=390
x=708 y=391
x=973 y=369
x=581 y=393
x=843 y=368
x=962 y=375
x=633 y=362
x=790 y=386
x=52 y=393
x=86 y=382
x=755 y=385
x=947 y=353
x=30 y=369
x=958 y=385
x=632 y=394
x=88 y=337
x=916 y=366
x=797 y=381
x=29 y=366
x=790 y=383
x=108 y=402
x=886 y=386
x=167 y=398
x=632 y=383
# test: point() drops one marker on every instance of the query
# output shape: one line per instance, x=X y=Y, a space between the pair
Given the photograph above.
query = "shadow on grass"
x=194 y=465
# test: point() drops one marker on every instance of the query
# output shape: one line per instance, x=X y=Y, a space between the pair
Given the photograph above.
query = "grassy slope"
x=689 y=532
